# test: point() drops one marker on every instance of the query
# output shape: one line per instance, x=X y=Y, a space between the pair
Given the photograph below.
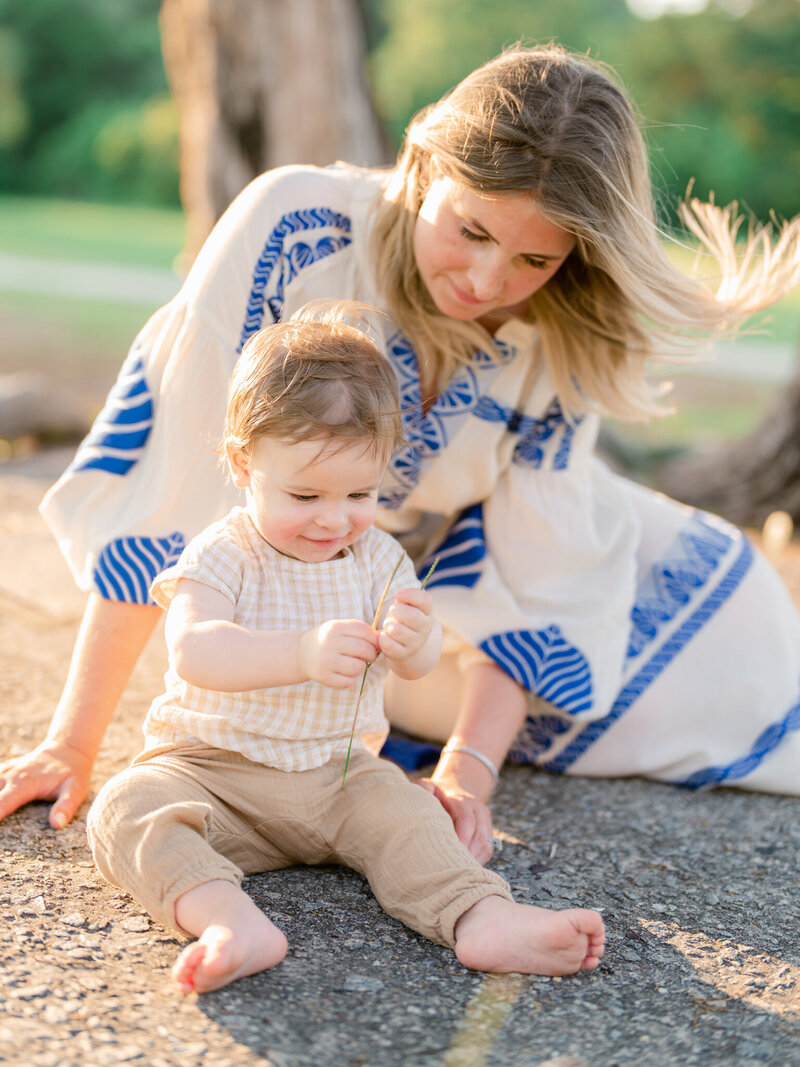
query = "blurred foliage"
x=85 y=112
x=719 y=91
x=84 y=106
x=721 y=95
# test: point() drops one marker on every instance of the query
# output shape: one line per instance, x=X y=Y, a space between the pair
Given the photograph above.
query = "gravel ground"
x=699 y=893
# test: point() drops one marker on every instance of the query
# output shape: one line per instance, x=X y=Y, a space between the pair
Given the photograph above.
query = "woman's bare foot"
x=499 y=935
x=239 y=941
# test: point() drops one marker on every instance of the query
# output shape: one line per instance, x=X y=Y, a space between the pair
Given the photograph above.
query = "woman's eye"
x=471 y=235
x=537 y=264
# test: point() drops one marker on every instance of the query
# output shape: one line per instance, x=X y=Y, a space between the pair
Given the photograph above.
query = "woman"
x=593 y=627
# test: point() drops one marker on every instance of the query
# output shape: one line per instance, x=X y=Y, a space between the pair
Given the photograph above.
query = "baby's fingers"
x=345 y=669
x=399 y=642
x=415 y=598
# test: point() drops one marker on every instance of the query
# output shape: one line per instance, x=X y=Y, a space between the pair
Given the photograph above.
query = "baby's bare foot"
x=499 y=935
x=235 y=938
x=220 y=956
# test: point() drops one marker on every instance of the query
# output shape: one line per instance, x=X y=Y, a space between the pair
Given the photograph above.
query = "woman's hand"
x=471 y=817
x=51 y=771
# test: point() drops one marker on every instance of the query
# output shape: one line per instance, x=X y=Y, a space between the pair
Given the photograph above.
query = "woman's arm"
x=208 y=649
x=492 y=710
x=110 y=640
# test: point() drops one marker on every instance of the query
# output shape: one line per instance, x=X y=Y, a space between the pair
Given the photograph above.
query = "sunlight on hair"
x=740 y=972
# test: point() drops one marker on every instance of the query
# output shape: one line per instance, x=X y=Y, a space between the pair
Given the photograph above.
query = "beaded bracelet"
x=490 y=767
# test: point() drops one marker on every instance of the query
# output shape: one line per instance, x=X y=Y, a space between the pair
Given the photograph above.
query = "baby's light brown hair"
x=316 y=376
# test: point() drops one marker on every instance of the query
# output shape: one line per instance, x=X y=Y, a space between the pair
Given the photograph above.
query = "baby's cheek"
x=291 y=526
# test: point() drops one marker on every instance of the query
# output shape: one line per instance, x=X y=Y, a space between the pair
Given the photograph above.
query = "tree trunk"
x=749 y=479
x=260 y=83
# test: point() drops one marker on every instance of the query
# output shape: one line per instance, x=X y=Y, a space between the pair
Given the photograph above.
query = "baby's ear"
x=239 y=463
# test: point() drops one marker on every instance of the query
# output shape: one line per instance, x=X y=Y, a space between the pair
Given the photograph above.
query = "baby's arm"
x=208 y=649
x=410 y=637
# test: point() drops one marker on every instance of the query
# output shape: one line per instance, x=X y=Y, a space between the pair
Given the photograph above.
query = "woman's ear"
x=239 y=463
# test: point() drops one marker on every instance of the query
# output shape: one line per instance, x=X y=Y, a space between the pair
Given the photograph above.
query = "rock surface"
x=699 y=892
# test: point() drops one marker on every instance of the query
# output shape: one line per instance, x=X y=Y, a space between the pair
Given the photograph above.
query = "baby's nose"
x=333 y=517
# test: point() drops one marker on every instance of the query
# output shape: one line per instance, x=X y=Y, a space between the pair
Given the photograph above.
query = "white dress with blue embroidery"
x=654 y=640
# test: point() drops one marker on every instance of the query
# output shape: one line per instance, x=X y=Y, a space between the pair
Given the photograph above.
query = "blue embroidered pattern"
x=461 y=554
x=535 y=434
x=763 y=745
x=651 y=670
x=280 y=262
x=536 y=737
x=465 y=395
x=677 y=577
x=118 y=434
x=543 y=662
x=427 y=435
x=126 y=567
x=669 y=587
x=561 y=458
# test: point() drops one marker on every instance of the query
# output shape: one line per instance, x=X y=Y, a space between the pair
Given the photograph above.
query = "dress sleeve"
x=147 y=478
x=213 y=560
x=540 y=576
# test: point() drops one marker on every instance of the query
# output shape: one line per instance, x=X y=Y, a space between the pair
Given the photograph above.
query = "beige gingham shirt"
x=293 y=727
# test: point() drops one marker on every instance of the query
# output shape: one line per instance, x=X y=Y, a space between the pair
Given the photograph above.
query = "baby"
x=243 y=769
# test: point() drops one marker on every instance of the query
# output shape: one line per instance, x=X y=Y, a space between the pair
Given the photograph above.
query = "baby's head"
x=313 y=419
x=315 y=377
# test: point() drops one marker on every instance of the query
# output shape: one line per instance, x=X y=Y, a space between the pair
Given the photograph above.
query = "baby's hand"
x=407 y=626
x=336 y=653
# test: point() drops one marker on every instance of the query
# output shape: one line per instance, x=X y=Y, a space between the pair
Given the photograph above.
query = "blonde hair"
x=315 y=376
x=557 y=126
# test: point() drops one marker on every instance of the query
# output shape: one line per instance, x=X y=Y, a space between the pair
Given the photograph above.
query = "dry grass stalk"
x=367 y=667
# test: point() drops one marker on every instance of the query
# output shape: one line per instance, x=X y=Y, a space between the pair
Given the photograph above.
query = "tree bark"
x=260 y=83
x=749 y=479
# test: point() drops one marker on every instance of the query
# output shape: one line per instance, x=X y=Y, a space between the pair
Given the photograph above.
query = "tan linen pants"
x=175 y=820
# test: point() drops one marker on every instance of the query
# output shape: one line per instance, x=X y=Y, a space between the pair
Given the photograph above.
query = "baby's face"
x=310 y=499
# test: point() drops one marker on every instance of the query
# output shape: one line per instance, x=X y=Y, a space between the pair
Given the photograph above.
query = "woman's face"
x=482 y=257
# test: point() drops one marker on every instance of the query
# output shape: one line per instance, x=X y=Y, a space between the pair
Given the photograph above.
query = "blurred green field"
x=133 y=236
x=83 y=337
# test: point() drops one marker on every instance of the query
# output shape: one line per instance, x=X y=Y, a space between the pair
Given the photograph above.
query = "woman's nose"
x=487 y=277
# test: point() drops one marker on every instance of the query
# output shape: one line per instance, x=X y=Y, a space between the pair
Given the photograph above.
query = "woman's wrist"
x=474 y=753
x=460 y=771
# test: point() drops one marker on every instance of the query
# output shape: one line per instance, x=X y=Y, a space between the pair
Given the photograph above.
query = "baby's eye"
x=471 y=235
x=301 y=498
x=360 y=496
